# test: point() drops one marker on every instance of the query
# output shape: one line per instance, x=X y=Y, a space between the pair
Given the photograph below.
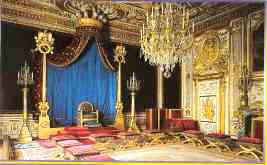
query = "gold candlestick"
x=44 y=44
x=120 y=58
x=133 y=85
x=25 y=79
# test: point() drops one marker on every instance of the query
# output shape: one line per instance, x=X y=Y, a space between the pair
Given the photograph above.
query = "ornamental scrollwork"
x=212 y=52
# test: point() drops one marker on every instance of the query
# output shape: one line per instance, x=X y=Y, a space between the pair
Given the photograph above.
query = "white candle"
x=143 y=27
x=183 y=22
x=193 y=26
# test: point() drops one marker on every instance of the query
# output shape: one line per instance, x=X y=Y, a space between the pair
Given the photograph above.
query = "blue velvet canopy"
x=87 y=79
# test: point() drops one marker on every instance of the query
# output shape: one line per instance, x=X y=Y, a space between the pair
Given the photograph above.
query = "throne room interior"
x=132 y=80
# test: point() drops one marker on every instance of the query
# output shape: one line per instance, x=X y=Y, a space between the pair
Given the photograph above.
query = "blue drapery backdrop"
x=85 y=80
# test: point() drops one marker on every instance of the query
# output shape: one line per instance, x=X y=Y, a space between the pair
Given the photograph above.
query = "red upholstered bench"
x=181 y=125
x=188 y=128
x=82 y=134
x=75 y=129
x=250 y=145
x=56 y=138
x=218 y=140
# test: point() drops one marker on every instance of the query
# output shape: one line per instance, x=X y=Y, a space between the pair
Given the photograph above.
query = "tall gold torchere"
x=120 y=53
x=133 y=85
x=25 y=79
x=44 y=44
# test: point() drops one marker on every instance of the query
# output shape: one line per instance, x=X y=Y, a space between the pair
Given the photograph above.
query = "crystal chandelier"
x=166 y=36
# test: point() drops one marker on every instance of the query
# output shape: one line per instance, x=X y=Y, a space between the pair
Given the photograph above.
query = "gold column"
x=44 y=44
x=120 y=58
x=160 y=88
x=160 y=93
x=222 y=104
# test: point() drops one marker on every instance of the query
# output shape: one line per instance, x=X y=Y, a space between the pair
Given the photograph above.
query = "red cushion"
x=71 y=129
x=86 y=141
x=178 y=124
x=195 y=132
x=250 y=140
x=190 y=124
x=81 y=150
x=68 y=143
x=62 y=137
x=82 y=133
x=217 y=135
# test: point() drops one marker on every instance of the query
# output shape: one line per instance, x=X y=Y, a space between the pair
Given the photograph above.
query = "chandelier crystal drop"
x=166 y=36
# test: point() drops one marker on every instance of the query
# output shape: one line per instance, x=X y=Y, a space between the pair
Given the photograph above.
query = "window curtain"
x=85 y=80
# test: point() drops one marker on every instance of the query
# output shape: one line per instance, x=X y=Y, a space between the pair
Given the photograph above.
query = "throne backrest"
x=86 y=107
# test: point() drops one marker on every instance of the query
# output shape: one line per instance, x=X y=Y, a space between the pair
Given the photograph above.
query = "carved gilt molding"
x=127 y=17
x=236 y=25
x=28 y=14
x=223 y=20
x=212 y=53
x=34 y=15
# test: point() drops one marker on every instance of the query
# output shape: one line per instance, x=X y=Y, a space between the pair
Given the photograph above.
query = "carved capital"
x=256 y=19
x=236 y=25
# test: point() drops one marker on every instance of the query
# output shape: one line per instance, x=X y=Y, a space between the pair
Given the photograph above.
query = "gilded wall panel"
x=235 y=69
x=256 y=95
x=187 y=86
x=208 y=113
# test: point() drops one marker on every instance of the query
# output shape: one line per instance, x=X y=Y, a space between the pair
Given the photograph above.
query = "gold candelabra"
x=44 y=44
x=25 y=79
x=120 y=53
x=166 y=36
x=133 y=86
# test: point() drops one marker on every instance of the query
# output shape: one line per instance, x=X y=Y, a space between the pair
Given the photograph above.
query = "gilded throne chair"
x=87 y=114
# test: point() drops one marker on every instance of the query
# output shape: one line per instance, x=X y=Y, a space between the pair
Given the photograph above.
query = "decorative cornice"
x=236 y=25
x=256 y=19
x=125 y=30
x=224 y=19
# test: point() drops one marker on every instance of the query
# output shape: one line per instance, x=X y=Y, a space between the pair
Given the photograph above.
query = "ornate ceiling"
x=124 y=17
